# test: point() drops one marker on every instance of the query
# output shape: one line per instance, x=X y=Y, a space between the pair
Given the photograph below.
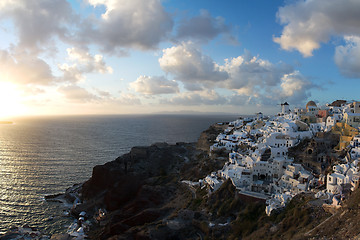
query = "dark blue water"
x=46 y=155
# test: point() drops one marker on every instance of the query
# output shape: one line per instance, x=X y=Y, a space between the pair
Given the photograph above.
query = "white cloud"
x=89 y=63
x=24 y=69
x=312 y=22
x=77 y=94
x=84 y=63
x=208 y=97
x=251 y=75
x=139 y=24
x=258 y=81
x=190 y=66
x=71 y=73
x=154 y=85
x=347 y=57
x=128 y=99
x=241 y=100
x=203 y=27
x=251 y=78
x=104 y=94
x=38 y=21
x=294 y=87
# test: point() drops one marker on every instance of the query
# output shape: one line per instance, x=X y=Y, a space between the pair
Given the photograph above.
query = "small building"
x=285 y=108
x=213 y=181
x=353 y=119
x=259 y=116
x=323 y=113
x=334 y=182
x=311 y=109
x=355 y=107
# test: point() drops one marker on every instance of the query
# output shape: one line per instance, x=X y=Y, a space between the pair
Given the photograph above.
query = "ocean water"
x=46 y=155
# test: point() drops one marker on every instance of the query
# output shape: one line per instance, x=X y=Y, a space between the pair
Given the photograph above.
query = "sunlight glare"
x=10 y=101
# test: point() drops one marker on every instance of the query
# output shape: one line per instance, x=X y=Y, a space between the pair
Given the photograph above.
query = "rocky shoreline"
x=143 y=188
x=137 y=188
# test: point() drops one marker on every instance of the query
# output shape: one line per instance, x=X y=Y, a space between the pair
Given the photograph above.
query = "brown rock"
x=60 y=236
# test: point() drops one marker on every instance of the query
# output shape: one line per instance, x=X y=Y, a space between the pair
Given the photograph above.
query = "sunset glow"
x=149 y=56
x=10 y=101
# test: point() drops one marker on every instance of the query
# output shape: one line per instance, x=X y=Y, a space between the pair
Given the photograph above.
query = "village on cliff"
x=316 y=149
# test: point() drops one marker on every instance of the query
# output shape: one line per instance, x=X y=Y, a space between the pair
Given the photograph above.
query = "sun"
x=10 y=101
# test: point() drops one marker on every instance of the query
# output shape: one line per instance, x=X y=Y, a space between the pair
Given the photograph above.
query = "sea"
x=40 y=156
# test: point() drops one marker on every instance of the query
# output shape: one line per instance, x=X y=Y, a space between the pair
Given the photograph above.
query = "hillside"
x=145 y=198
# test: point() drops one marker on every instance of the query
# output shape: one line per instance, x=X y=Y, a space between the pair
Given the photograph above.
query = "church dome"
x=310 y=104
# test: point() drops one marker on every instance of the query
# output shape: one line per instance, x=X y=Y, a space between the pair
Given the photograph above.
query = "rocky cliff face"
x=142 y=190
x=135 y=189
x=208 y=136
x=317 y=154
x=145 y=199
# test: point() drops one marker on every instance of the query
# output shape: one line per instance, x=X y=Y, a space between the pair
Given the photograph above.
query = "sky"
x=149 y=56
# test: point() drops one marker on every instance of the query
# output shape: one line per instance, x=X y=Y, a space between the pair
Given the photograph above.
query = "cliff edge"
x=144 y=197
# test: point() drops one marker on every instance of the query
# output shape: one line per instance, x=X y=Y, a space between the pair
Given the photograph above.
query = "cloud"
x=241 y=100
x=24 y=69
x=128 y=99
x=154 y=85
x=294 y=87
x=38 y=21
x=190 y=66
x=258 y=81
x=84 y=63
x=347 y=57
x=104 y=94
x=250 y=78
x=139 y=24
x=71 y=73
x=203 y=27
x=77 y=94
x=247 y=75
x=208 y=97
x=312 y=22
x=90 y=63
x=251 y=75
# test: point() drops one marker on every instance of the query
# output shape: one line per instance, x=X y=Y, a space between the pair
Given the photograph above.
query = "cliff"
x=145 y=198
x=207 y=137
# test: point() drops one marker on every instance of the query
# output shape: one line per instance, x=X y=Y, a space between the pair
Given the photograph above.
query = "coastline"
x=153 y=173
x=90 y=151
x=178 y=200
x=157 y=191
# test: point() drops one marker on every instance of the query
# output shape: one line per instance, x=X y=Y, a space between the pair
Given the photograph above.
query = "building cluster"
x=259 y=165
x=346 y=175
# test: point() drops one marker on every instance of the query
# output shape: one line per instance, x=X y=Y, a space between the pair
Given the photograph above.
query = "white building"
x=353 y=119
x=334 y=182
x=253 y=169
x=285 y=108
x=213 y=181
x=317 y=127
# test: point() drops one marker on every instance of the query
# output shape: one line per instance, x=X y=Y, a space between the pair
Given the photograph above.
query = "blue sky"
x=148 y=56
